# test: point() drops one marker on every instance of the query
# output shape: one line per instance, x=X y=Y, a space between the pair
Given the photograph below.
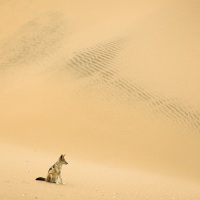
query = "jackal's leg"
x=61 y=179
x=50 y=178
x=56 y=180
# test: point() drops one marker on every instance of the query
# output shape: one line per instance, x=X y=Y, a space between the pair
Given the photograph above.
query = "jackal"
x=54 y=171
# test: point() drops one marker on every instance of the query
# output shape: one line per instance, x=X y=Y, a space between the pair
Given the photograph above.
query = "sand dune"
x=114 y=85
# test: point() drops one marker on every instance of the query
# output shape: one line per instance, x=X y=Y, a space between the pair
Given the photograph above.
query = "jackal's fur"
x=54 y=171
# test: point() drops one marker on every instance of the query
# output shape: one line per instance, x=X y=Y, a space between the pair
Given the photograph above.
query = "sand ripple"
x=98 y=67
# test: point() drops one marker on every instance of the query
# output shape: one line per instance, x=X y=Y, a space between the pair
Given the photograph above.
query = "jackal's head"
x=62 y=160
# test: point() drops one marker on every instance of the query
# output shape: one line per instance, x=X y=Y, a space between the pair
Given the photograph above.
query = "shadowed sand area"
x=113 y=85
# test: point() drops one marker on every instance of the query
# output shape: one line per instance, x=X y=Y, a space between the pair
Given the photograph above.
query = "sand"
x=113 y=85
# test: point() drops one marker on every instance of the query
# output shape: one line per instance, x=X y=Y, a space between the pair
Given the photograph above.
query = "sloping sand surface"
x=113 y=85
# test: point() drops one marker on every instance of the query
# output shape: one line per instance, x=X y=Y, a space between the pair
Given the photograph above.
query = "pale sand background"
x=113 y=85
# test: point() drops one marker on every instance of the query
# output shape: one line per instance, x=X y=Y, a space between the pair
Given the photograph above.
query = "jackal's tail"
x=40 y=179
